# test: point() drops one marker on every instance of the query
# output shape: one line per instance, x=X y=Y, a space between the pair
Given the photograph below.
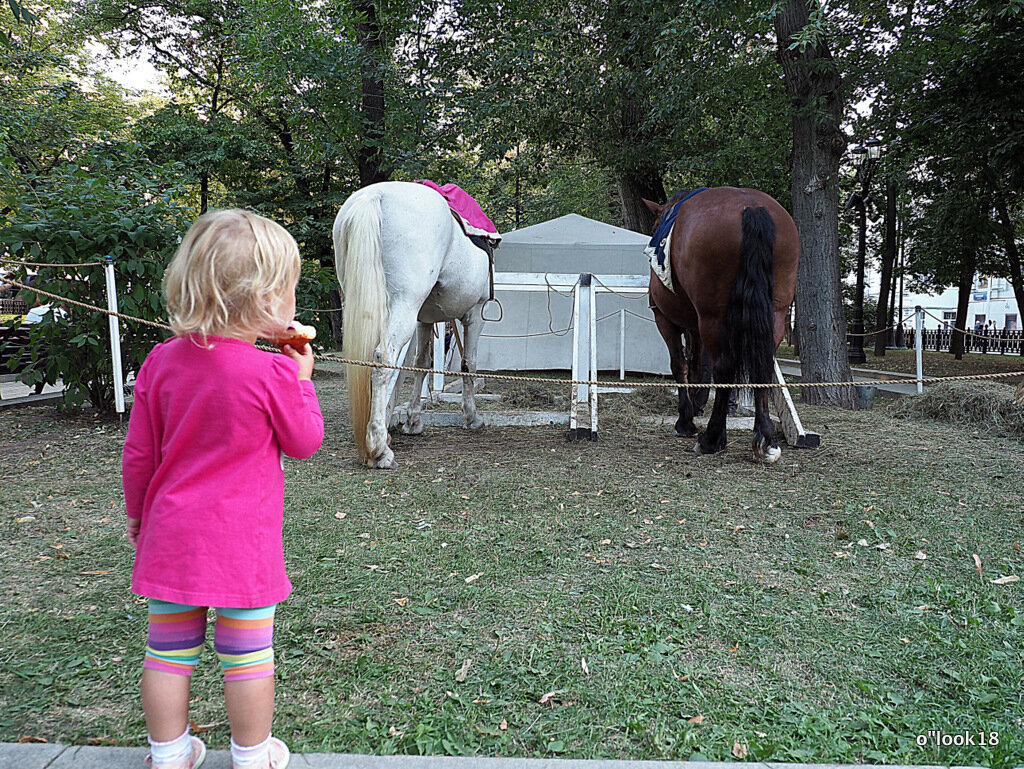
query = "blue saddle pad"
x=665 y=227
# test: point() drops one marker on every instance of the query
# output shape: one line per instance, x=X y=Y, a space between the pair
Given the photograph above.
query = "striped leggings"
x=243 y=639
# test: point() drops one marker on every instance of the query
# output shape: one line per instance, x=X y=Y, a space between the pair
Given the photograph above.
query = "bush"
x=109 y=202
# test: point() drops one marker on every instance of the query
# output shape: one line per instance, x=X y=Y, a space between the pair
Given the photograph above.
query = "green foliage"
x=22 y=15
x=108 y=203
x=953 y=114
x=75 y=190
x=690 y=94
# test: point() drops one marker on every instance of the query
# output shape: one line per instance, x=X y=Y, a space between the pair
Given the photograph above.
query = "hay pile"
x=659 y=401
x=990 y=405
x=530 y=395
x=641 y=405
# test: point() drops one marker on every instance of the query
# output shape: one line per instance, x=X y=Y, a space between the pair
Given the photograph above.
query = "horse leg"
x=424 y=347
x=700 y=371
x=377 y=439
x=400 y=330
x=765 y=447
x=712 y=440
x=472 y=326
x=672 y=335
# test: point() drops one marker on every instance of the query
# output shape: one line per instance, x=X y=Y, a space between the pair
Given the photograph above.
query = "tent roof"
x=574 y=230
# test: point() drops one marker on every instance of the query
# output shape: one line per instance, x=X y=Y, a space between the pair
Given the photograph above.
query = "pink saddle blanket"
x=474 y=220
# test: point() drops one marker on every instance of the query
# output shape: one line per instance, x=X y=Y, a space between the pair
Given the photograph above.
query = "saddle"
x=474 y=222
x=467 y=211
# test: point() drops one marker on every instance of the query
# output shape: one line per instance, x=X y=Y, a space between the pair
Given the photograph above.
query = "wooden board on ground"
x=400 y=415
x=793 y=429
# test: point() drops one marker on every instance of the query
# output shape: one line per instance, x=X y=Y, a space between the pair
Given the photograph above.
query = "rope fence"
x=689 y=385
x=90 y=307
x=931 y=315
x=893 y=327
x=965 y=332
x=520 y=378
x=49 y=264
x=551 y=288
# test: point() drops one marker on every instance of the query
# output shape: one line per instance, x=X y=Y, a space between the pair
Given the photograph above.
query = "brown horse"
x=733 y=257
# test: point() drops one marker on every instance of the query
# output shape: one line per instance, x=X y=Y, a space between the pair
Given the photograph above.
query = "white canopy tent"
x=568 y=246
x=535 y=331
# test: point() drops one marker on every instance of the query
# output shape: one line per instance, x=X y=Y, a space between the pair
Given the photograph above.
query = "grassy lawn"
x=509 y=593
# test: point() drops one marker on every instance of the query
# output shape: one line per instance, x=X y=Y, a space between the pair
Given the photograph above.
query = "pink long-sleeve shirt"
x=203 y=470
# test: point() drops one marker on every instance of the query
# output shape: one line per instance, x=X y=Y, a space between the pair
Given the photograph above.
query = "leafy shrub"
x=109 y=202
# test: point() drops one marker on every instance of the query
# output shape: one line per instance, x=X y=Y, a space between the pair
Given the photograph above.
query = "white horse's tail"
x=357 y=254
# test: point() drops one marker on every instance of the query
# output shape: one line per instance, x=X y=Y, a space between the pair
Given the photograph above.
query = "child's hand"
x=131 y=530
x=304 y=357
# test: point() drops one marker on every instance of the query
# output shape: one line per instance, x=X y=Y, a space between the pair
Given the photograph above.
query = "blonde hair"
x=232 y=271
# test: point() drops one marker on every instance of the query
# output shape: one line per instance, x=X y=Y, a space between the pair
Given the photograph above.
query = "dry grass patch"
x=985 y=405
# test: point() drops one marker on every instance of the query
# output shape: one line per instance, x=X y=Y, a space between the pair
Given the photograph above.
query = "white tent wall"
x=571 y=244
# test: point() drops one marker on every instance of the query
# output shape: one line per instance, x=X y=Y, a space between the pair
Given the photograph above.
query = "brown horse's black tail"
x=751 y=319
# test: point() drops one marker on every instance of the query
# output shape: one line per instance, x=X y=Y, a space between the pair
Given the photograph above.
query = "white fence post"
x=115 y=334
x=438 y=379
x=574 y=402
x=622 y=345
x=919 y=345
x=592 y=391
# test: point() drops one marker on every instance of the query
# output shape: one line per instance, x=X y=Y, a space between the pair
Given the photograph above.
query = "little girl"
x=204 y=480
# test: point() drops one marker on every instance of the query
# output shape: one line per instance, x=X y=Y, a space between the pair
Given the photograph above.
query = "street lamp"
x=901 y=255
x=865 y=156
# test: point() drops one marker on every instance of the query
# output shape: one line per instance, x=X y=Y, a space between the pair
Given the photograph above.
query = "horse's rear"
x=734 y=255
x=403 y=262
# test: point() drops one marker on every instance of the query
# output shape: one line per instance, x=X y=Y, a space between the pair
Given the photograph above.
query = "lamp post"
x=865 y=158
x=901 y=343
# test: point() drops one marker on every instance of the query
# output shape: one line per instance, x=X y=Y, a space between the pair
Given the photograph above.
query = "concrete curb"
x=57 y=756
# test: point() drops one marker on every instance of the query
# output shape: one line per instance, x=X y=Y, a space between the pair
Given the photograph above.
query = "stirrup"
x=483 y=311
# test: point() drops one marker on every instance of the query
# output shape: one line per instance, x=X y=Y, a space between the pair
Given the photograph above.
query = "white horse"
x=404 y=264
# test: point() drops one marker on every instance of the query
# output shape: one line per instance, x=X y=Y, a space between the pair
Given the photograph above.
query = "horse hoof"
x=701 y=447
x=413 y=427
x=476 y=424
x=384 y=462
x=686 y=432
x=770 y=455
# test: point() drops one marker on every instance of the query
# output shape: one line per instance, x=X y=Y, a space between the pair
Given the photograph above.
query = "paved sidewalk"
x=47 y=756
x=14 y=393
x=898 y=383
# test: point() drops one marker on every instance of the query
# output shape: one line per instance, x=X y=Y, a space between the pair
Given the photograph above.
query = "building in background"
x=992 y=299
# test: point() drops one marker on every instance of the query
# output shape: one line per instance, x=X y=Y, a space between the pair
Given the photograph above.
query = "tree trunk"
x=370 y=159
x=215 y=107
x=633 y=187
x=964 y=284
x=640 y=176
x=334 y=296
x=883 y=315
x=204 y=192
x=813 y=83
x=1008 y=232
